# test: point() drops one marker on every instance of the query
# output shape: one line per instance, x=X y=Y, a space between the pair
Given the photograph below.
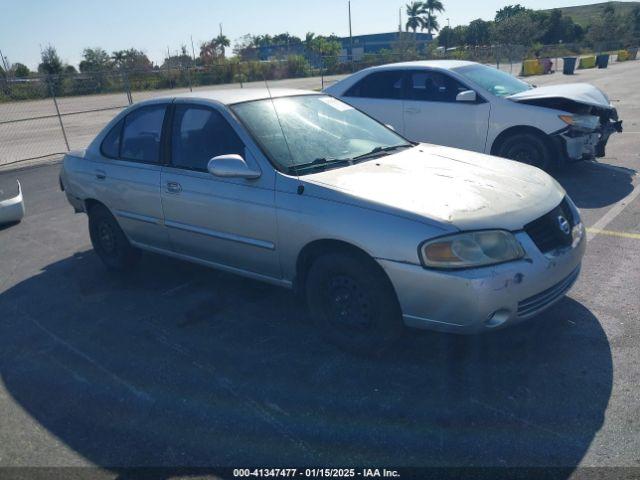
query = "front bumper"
x=579 y=144
x=12 y=208
x=471 y=301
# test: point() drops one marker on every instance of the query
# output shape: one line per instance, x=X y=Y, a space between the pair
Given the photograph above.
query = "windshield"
x=495 y=81
x=315 y=132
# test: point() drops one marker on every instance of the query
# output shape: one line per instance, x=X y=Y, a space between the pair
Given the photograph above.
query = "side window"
x=433 y=87
x=386 y=85
x=141 y=134
x=199 y=134
x=110 y=147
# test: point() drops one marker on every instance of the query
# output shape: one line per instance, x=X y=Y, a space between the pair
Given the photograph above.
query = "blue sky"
x=152 y=26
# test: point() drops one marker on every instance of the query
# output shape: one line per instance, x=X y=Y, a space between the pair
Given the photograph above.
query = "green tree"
x=20 y=70
x=95 y=60
x=446 y=37
x=519 y=29
x=430 y=7
x=509 y=11
x=557 y=27
x=213 y=50
x=431 y=22
x=221 y=41
x=415 y=20
x=182 y=60
x=131 y=60
x=327 y=48
x=478 y=32
x=50 y=63
x=608 y=27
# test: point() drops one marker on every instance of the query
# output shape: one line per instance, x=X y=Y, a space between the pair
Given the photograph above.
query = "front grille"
x=540 y=300
x=546 y=232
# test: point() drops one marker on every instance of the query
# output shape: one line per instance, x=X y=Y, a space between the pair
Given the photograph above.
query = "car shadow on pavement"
x=596 y=185
x=179 y=366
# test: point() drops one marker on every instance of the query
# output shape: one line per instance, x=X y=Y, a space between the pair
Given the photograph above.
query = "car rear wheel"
x=526 y=148
x=353 y=304
x=109 y=241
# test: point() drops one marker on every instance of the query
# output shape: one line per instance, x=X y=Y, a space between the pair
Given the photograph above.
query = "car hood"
x=463 y=189
x=576 y=92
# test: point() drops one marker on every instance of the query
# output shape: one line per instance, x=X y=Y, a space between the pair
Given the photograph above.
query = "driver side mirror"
x=231 y=166
x=467 y=96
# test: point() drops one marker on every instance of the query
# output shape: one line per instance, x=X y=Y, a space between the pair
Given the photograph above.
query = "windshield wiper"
x=319 y=164
x=378 y=150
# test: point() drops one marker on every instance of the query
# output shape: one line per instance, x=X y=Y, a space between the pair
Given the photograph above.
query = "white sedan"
x=475 y=107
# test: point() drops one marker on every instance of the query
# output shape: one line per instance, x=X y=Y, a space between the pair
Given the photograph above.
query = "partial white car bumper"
x=11 y=208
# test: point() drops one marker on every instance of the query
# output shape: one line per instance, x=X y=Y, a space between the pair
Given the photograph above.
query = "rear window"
x=141 y=134
x=385 y=85
x=111 y=144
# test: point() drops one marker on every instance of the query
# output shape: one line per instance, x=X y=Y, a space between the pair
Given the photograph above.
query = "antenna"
x=275 y=110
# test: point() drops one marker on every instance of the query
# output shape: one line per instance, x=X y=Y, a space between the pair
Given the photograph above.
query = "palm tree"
x=429 y=7
x=432 y=23
x=208 y=52
x=220 y=42
x=414 y=16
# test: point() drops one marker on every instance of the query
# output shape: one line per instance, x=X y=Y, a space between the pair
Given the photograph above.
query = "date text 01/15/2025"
x=316 y=472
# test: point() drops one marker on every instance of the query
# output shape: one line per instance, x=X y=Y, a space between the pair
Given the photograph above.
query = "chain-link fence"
x=47 y=115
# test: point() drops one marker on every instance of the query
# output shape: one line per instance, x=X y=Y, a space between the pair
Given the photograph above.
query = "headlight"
x=471 y=249
x=586 y=122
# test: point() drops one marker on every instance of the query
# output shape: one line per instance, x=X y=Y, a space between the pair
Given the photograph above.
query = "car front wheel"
x=109 y=241
x=526 y=148
x=353 y=303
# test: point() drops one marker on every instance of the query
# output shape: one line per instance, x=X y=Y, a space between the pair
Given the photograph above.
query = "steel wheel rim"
x=106 y=237
x=349 y=306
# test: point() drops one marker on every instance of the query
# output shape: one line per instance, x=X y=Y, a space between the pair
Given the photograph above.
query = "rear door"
x=126 y=176
x=432 y=114
x=379 y=94
x=230 y=222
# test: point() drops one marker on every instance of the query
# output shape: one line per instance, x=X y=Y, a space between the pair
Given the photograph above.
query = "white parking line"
x=613 y=212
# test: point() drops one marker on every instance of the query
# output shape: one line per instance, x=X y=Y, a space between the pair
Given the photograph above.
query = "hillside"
x=583 y=14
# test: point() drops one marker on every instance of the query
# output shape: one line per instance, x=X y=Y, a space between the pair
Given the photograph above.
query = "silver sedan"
x=303 y=191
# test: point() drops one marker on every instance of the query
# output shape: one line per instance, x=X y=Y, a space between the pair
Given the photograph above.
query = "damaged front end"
x=588 y=127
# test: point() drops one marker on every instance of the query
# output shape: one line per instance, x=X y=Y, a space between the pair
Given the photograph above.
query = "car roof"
x=229 y=96
x=441 y=64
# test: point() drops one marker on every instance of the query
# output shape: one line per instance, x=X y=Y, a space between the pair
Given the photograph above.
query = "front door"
x=230 y=222
x=432 y=114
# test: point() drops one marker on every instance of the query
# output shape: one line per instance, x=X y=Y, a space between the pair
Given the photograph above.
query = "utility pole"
x=350 y=36
x=193 y=51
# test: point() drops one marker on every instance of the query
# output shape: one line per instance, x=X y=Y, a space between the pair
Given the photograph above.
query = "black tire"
x=353 y=304
x=109 y=241
x=527 y=148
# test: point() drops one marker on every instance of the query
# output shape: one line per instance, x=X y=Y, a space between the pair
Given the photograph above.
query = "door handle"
x=412 y=110
x=100 y=174
x=174 y=187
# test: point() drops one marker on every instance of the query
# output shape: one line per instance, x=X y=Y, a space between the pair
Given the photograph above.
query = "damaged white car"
x=11 y=202
x=475 y=107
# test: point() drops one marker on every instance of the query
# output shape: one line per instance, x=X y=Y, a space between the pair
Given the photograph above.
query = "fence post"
x=55 y=103
x=127 y=87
